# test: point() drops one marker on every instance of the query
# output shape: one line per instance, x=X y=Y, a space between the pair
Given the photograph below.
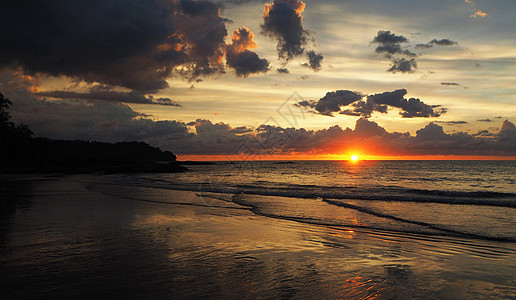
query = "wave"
x=425 y=224
x=310 y=191
x=241 y=201
x=482 y=194
x=443 y=231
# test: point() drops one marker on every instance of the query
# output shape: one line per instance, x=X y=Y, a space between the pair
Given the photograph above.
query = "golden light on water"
x=354 y=157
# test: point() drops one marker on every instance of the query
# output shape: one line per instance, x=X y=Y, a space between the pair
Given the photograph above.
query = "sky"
x=284 y=78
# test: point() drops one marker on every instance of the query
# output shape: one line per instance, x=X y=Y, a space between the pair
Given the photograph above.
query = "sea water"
x=456 y=198
x=266 y=230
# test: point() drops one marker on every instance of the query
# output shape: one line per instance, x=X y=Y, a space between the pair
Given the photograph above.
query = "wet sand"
x=73 y=237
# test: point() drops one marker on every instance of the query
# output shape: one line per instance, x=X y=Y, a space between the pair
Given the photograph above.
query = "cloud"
x=314 y=60
x=479 y=14
x=135 y=45
x=282 y=21
x=332 y=101
x=452 y=122
x=402 y=58
x=351 y=103
x=442 y=42
x=240 y=58
x=485 y=120
x=238 y=2
x=403 y=65
x=508 y=126
x=373 y=139
x=389 y=44
x=410 y=108
x=306 y=104
x=113 y=121
x=450 y=83
x=241 y=130
x=283 y=70
x=101 y=120
x=109 y=95
x=424 y=46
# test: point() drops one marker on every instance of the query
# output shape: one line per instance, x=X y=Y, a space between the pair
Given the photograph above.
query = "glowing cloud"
x=479 y=14
x=240 y=58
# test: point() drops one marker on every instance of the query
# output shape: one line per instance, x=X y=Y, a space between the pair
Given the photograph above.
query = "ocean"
x=267 y=229
x=426 y=197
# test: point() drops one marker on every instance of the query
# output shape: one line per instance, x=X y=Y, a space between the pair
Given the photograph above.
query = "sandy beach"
x=65 y=237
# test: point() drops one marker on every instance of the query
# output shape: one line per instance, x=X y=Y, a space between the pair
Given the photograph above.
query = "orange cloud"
x=299 y=7
x=479 y=14
x=243 y=39
x=240 y=58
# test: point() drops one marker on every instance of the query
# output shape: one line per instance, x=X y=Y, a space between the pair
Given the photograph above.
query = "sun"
x=354 y=157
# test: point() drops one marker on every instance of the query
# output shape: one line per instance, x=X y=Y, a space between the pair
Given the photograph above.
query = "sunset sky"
x=289 y=78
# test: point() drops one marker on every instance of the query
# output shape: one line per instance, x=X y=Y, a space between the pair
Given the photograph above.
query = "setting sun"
x=354 y=157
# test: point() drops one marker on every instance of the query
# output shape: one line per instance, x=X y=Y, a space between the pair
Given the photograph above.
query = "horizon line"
x=344 y=157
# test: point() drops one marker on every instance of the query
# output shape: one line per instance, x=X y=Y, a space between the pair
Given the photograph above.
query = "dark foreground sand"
x=71 y=237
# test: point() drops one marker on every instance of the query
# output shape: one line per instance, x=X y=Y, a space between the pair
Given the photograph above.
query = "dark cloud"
x=113 y=121
x=201 y=32
x=385 y=37
x=283 y=70
x=402 y=59
x=389 y=44
x=306 y=104
x=364 y=109
x=424 y=46
x=110 y=95
x=282 y=21
x=410 y=108
x=240 y=58
x=484 y=133
x=241 y=130
x=314 y=60
x=508 y=131
x=430 y=140
x=431 y=131
x=109 y=121
x=136 y=44
x=238 y=2
x=485 y=120
x=443 y=42
x=452 y=122
x=350 y=103
x=333 y=101
x=403 y=65
x=450 y=83
x=366 y=128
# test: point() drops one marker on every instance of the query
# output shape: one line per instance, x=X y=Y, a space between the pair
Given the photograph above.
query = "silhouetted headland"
x=20 y=152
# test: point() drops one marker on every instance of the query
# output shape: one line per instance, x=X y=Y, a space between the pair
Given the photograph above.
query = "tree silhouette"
x=4 y=113
x=8 y=128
